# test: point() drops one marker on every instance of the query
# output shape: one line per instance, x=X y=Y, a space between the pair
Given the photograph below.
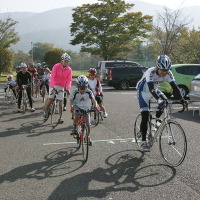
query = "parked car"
x=104 y=66
x=183 y=73
x=125 y=77
x=195 y=89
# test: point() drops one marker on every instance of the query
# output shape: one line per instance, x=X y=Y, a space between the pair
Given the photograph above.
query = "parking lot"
x=38 y=162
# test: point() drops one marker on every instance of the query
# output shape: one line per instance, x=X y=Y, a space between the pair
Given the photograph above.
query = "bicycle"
x=24 y=100
x=56 y=109
x=171 y=136
x=83 y=134
x=95 y=116
x=9 y=96
x=43 y=92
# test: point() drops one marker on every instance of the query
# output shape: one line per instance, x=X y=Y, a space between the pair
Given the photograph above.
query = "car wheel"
x=124 y=85
x=184 y=90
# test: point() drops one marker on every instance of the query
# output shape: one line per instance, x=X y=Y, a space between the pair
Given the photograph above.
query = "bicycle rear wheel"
x=172 y=143
x=85 y=143
x=56 y=112
x=94 y=117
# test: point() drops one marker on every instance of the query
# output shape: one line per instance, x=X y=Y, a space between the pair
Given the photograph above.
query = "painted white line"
x=111 y=141
x=128 y=93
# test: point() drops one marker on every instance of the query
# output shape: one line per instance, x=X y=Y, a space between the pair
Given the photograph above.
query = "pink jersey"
x=61 y=76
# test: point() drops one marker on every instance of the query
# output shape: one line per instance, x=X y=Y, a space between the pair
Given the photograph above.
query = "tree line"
x=107 y=30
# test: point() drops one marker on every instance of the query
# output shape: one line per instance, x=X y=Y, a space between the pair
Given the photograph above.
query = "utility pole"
x=32 y=51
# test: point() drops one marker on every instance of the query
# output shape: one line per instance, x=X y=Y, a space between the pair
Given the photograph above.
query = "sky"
x=45 y=5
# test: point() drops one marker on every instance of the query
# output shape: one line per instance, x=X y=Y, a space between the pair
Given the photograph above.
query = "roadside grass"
x=75 y=73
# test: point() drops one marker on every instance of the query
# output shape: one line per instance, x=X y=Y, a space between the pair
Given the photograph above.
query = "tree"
x=166 y=33
x=188 y=50
x=6 y=61
x=106 y=28
x=8 y=36
x=39 y=50
x=53 y=56
x=20 y=57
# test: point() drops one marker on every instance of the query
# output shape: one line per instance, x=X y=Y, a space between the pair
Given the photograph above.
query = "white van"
x=104 y=66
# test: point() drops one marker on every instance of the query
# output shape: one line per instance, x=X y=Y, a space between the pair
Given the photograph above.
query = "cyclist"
x=11 y=84
x=24 y=78
x=45 y=79
x=95 y=85
x=82 y=98
x=33 y=71
x=61 y=76
x=147 y=88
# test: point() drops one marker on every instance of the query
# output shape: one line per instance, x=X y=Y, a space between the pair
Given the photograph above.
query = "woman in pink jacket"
x=61 y=78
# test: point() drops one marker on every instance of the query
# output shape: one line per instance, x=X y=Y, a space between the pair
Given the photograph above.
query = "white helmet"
x=23 y=65
x=82 y=81
x=65 y=57
x=163 y=62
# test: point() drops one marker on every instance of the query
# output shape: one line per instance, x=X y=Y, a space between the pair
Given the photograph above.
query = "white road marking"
x=110 y=141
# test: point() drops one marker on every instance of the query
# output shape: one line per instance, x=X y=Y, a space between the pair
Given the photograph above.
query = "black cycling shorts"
x=99 y=99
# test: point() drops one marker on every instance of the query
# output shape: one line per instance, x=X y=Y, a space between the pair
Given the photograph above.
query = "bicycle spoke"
x=173 y=144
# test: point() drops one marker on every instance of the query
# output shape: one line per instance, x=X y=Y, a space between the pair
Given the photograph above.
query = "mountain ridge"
x=53 y=26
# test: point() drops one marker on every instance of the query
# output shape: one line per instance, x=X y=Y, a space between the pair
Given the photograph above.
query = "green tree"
x=39 y=50
x=106 y=28
x=188 y=50
x=8 y=36
x=20 y=57
x=6 y=61
x=53 y=56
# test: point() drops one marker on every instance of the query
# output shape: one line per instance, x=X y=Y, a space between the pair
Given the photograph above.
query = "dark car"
x=105 y=66
x=125 y=77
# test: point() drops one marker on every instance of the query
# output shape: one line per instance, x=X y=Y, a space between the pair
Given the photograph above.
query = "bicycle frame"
x=82 y=138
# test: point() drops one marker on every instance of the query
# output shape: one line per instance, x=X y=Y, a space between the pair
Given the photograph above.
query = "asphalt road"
x=40 y=163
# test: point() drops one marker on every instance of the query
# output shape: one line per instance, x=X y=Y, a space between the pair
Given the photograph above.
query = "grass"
x=75 y=73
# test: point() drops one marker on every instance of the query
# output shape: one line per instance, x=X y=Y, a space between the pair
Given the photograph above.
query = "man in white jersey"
x=147 y=87
x=82 y=98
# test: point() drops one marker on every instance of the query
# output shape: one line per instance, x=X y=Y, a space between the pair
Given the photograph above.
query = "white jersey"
x=150 y=76
x=93 y=85
x=12 y=83
x=83 y=101
x=46 y=77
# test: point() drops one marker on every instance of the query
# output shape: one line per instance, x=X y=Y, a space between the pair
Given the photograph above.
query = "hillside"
x=53 y=26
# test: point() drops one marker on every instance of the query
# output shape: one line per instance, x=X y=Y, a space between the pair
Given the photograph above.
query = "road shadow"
x=58 y=163
x=123 y=173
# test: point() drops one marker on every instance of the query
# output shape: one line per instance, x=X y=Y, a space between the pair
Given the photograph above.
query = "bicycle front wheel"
x=172 y=143
x=85 y=144
x=56 y=112
x=24 y=102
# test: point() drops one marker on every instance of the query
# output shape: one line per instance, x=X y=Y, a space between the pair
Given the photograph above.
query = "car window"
x=188 y=70
x=118 y=64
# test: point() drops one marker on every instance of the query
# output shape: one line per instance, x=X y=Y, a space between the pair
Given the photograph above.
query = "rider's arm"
x=69 y=79
x=29 y=77
x=176 y=91
x=94 y=102
x=152 y=90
